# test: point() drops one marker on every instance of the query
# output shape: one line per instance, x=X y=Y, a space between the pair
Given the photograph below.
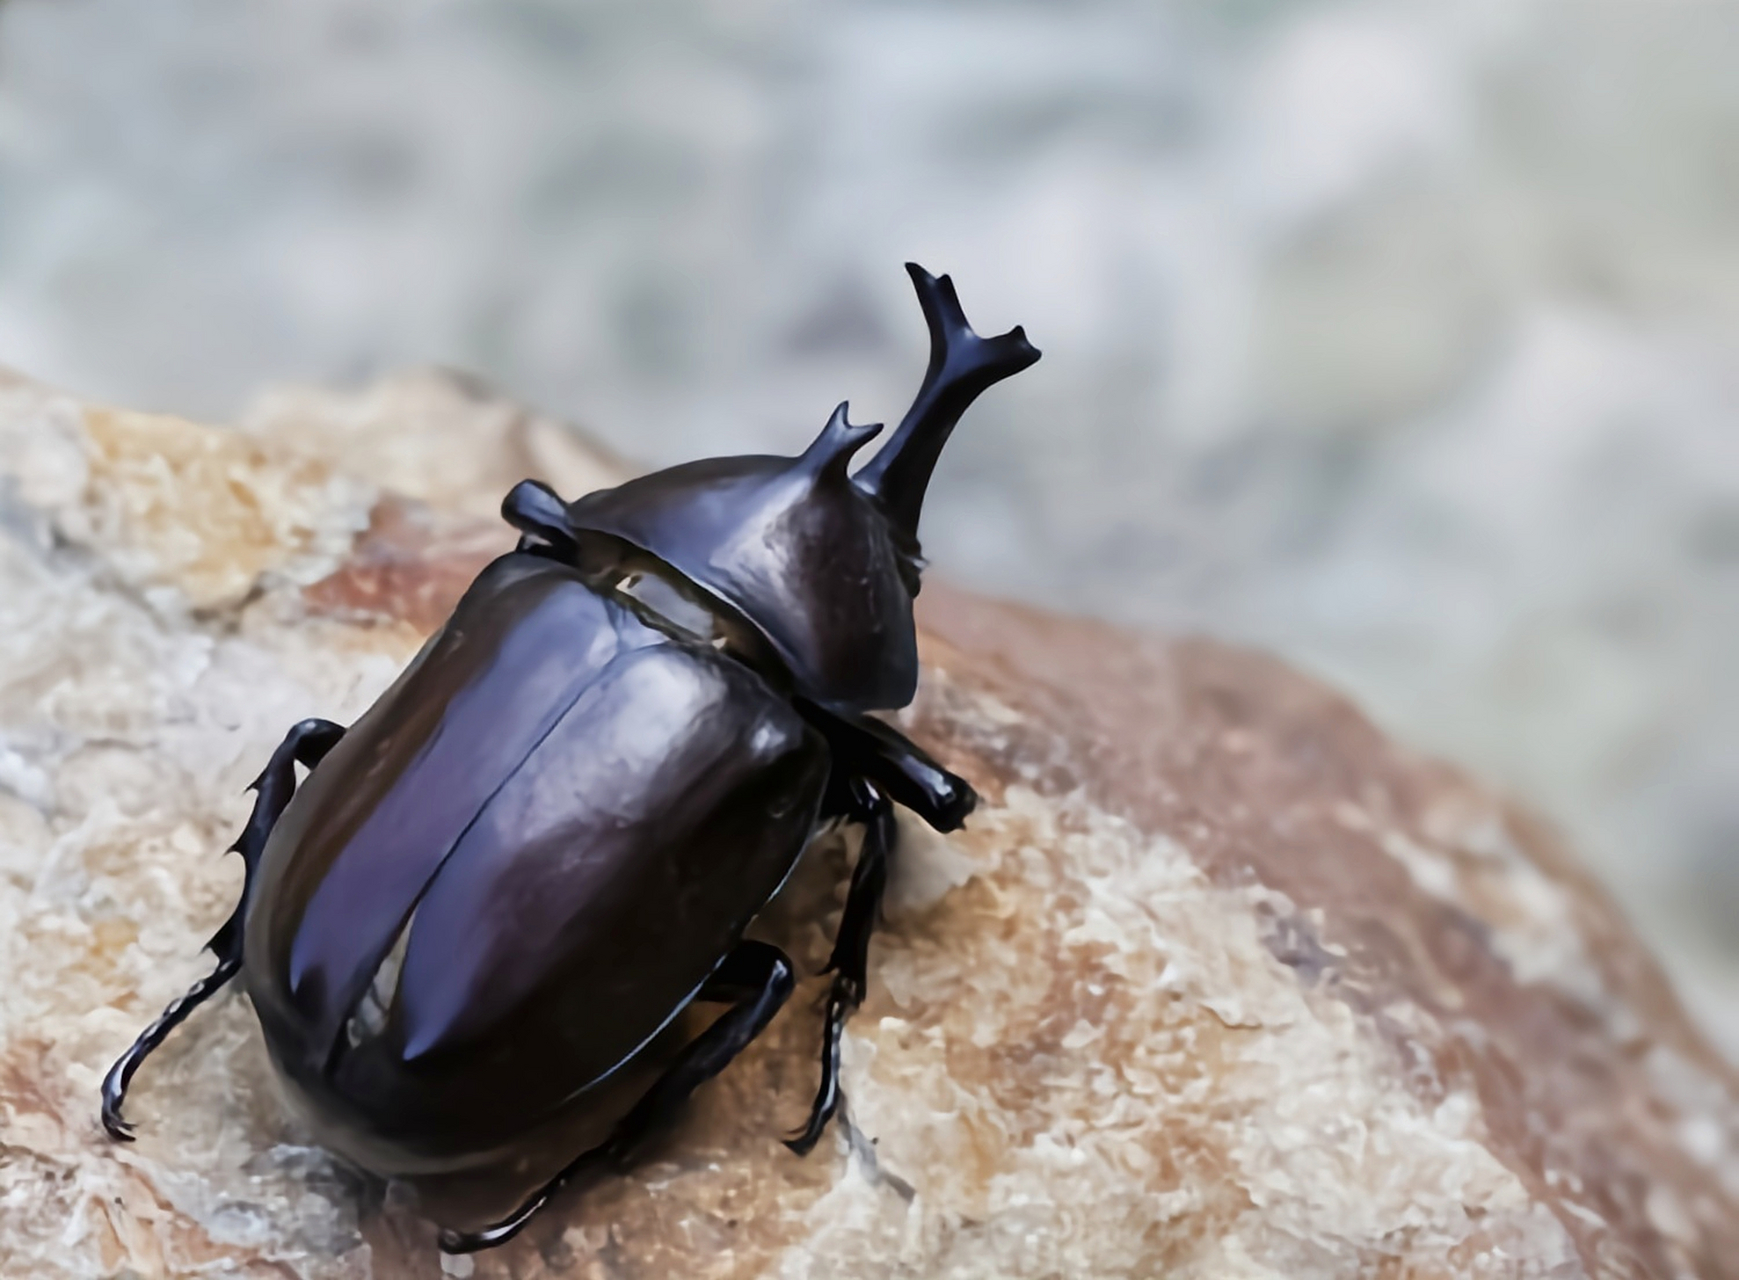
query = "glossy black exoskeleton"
x=548 y=837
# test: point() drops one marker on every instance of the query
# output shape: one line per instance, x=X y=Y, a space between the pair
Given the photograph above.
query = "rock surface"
x=1218 y=982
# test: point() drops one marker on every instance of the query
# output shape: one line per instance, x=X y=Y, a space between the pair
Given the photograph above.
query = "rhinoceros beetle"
x=547 y=838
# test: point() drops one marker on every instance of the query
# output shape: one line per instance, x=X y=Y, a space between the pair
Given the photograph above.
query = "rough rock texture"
x=1217 y=983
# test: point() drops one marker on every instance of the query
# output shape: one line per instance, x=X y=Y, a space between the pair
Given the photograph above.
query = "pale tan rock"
x=1218 y=982
x=444 y=437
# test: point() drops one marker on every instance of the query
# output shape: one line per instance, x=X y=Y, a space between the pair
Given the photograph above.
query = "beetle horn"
x=962 y=366
x=838 y=440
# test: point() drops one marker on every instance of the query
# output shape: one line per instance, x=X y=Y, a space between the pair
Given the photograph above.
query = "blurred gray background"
x=1402 y=338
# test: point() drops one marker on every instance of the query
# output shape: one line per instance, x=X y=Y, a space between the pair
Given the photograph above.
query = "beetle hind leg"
x=757 y=978
x=307 y=742
x=850 y=960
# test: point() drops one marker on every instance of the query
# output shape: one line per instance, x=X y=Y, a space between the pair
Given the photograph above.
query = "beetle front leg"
x=308 y=742
x=850 y=960
x=540 y=515
x=865 y=746
x=757 y=978
x=876 y=761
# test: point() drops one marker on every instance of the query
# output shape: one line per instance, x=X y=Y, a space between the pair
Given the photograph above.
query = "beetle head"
x=823 y=564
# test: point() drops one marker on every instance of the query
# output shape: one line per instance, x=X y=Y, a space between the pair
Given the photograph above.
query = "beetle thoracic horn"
x=839 y=439
x=962 y=366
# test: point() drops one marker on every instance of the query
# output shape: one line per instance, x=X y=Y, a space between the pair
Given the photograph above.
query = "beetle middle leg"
x=307 y=742
x=757 y=978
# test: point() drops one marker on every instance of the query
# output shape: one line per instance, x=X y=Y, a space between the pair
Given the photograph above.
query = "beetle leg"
x=758 y=978
x=540 y=515
x=873 y=762
x=850 y=960
x=868 y=747
x=307 y=742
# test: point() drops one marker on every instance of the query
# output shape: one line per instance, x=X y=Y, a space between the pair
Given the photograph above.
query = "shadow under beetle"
x=547 y=838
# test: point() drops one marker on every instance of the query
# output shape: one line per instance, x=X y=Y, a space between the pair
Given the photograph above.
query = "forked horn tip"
x=1016 y=338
